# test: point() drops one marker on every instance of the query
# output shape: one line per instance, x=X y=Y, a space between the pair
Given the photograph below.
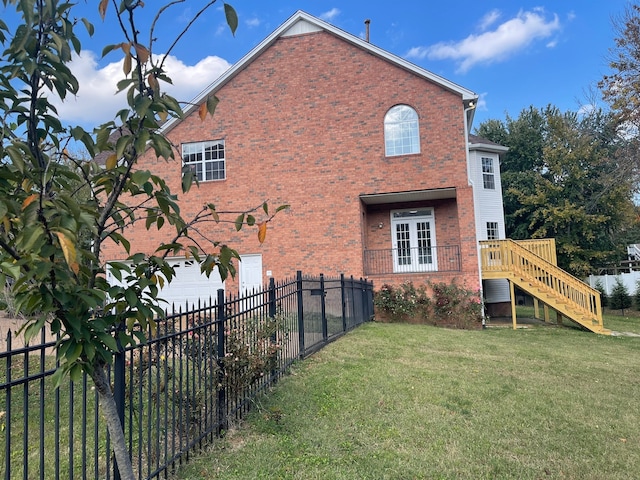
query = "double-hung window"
x=488 y=174
x=205 y=159
x=492 y=231
x=401 y=132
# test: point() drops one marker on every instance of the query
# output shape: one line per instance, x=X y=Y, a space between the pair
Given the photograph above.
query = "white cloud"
x=489 y=19
x=495 y=45
x=97 y=101
x=330 y=15
x=482 y=102
x=252 y=22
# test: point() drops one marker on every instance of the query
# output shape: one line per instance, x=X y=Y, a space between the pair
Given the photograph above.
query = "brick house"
x=372 y=153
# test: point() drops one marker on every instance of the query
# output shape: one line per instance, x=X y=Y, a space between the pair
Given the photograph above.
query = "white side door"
x=250 y=273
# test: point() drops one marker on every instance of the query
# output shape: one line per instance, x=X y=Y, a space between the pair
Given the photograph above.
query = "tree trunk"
x=116 y=432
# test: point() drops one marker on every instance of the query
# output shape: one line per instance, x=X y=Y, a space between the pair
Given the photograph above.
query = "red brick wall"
x=303 y=125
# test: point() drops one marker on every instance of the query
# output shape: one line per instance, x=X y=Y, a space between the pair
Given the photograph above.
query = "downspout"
x=472 y=106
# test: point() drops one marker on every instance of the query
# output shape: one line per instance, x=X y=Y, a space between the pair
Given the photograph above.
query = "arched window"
x=401 y=135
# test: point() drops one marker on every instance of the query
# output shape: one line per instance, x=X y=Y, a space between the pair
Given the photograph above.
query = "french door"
x=414 y=241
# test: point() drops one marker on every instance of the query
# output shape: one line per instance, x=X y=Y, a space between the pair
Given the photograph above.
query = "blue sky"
x=512 y=53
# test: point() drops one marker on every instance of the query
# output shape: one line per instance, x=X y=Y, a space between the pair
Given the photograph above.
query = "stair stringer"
x=558 y=302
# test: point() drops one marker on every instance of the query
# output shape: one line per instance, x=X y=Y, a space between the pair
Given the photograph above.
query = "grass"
x=397 y=401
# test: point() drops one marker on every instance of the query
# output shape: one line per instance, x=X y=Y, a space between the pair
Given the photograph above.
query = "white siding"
x=489 y=208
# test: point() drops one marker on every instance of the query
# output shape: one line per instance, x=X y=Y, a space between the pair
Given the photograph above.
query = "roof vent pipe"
x=367 y=22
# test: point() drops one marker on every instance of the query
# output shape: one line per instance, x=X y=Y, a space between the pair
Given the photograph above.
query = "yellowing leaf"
x=69 y=251
x=126 y=65
x=112 y=161
x=262 y=231
x=153 y=326
x=126 y=47
x=163 y=115
x=202 y=111
x=102 y=8
x=153 y=82
x=29 y=200
x=142 y=52
x=26 y=184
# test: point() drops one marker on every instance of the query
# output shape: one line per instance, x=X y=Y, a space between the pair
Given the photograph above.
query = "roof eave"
x=488 y=148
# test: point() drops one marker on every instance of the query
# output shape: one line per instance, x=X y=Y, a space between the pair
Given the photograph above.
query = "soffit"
x=410 y=196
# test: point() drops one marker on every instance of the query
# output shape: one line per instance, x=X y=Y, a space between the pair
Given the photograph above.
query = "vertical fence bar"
x=323 y=310
x=272 y=315
x=118 y=393
x=343 y=299
x=363 y=299
x=42 y=401
x=220 y=320
x=25 y=417
x=7 y=429
x=300 y=313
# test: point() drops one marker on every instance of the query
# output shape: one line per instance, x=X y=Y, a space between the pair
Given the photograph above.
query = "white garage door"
x=188 y=286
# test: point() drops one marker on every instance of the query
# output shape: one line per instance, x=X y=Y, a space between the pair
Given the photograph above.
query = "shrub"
x=620 y=298
x=456 y=306
x=449 y=304
x=403 y=303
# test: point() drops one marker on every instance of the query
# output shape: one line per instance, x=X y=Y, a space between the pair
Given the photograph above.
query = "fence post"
x=119 y=390
x=272 y=316
x=344 y=304
x=363 y=297
x=300 y=313
x=220 y=351
x=323 y=310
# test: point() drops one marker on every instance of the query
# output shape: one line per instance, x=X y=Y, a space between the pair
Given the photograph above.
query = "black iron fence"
x=412 y=260
x=196 y=374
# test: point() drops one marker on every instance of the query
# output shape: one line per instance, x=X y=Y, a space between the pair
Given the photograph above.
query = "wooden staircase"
x=532 y=268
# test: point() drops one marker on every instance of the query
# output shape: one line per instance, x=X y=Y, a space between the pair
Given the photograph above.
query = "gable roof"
x=300 y=23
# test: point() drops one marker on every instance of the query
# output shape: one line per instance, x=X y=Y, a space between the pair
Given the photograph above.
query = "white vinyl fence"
x=628 y=279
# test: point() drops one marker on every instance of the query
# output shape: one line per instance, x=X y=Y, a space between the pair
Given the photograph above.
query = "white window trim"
x=391 y=148
x=488 y=174
x=202 y=177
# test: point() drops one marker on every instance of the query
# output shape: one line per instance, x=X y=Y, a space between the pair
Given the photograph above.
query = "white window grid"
x=206 y=160
x=488 y=177
x=401 y=131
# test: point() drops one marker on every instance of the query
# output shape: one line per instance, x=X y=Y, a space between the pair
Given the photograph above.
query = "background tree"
x=620 y=298
x=621 y=88
x=604 y=298
x=57 y=210
x=636 y=296
x=561 y=179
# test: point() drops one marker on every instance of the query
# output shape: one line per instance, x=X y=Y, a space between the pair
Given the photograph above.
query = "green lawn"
x=396 y=401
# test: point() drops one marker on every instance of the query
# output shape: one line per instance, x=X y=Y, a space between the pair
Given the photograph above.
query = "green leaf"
x=109 y=48
x=212 y=103
x=265 y=207
x=73 y=353
x=131 y=296
x=232 y=18
x=89 y=26
x=251 y=220
x=187 y=179
x=239 y=222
